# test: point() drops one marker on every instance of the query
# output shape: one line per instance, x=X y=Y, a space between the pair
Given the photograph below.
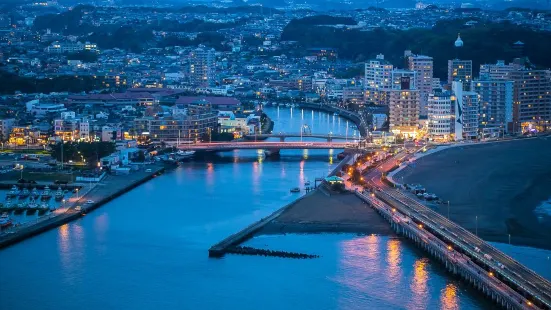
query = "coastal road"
x=525 y=279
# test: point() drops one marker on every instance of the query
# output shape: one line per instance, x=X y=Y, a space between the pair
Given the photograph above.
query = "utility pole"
x=61 y=154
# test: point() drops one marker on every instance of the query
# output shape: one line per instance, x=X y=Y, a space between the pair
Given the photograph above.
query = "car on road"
x=89 y=202
x=78 y=208
x=147 y=170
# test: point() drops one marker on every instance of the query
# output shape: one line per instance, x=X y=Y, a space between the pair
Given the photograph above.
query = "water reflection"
x=419 y=283
x=449 y=298
x=393 y=260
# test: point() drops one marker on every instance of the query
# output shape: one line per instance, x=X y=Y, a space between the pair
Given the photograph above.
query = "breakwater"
x=246 y=250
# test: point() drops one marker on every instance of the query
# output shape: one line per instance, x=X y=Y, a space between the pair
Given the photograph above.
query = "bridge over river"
x=283 y=135
x=271 y=146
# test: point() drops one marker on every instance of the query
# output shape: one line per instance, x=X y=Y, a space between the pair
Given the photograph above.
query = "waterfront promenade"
x=98 y=194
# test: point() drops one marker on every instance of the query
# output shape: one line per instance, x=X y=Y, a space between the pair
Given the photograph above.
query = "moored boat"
x=5 y=220
x=13 y=192
x=24 y=193
x=295 y=190
x=46 y=194
x=34 y=193
x=59 y=194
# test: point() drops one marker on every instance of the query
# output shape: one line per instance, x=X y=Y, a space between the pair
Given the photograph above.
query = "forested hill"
x=485 y=42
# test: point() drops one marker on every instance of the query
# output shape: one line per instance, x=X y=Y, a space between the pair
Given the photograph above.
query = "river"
x=148 y=248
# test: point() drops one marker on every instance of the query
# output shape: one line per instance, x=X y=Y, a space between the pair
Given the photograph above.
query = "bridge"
x=271 y=146
x=282 y=136
x=497 y=275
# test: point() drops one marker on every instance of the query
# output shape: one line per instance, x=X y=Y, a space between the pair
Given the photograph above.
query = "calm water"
x=148 y=248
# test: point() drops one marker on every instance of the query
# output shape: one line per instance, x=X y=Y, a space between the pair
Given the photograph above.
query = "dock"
x=107 y=190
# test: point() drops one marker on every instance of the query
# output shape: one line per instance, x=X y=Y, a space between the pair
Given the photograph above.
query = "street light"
x=448 y=209
x=476 y=225
x=509 y=239
x=22 y=171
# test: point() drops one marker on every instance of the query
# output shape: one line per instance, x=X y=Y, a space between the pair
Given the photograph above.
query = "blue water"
x=148 y=248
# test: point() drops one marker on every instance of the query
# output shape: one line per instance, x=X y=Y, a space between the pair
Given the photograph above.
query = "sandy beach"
x=500 y=183
x=319 y=213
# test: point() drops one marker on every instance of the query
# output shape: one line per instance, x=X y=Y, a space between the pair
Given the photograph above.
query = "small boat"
x=58 y=194
x=52 y=208
x=184 y=154
x=46 y=194
x=45 y=206
x=8 y=204
x=24 y=193
x=336 y=114
x=288 y=105
x=295 y=190
x=13 y=192
x=34 y=193
x=32 y=205
x=5 y=220
x=22 y=205
x=274 y=103
x=307 y=183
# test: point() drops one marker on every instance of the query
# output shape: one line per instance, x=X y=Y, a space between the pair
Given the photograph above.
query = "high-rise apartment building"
x=378 y=80
x=423 y=67
x=466 y=112
x=404 y=109
x=398 y=74
x=531 y=99
x=460 y=71
x=497 y=71
x=496 y=105
x=440 y=115
x=202 y=66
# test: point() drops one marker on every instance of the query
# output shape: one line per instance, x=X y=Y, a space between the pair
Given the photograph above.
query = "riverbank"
x=106 y=190
x=493 y=188
x=348 y=115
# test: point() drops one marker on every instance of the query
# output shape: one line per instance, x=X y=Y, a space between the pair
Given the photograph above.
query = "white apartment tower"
x=404 y=110
x=202 y=66
x=378 y=80
x=466 y=112
x=423 y=67
x=440 y=106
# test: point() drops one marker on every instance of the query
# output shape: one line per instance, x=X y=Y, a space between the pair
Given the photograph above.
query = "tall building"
x=404 y=109
x=460 y=71
x=202 y=66
x=466 y=112
x=497 y=71
x=378 y=80
x=423 y=67
x=496 y=105
x=532 y=99
x=398 y=74
x=440 y=115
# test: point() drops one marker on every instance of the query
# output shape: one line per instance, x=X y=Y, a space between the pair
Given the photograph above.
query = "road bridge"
x=535 y=291
x=282 y=136
x=270 y=146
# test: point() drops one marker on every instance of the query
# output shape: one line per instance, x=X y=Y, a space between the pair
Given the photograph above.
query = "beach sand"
x=338 y=213
x=501 y=183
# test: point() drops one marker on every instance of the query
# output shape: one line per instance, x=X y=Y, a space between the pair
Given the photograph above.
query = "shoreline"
x=493 y=188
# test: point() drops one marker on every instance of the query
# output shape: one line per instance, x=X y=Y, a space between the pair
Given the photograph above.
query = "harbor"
x=65 y=207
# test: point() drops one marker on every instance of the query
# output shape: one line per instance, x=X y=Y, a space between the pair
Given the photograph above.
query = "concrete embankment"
x=107 y=190
x=351 y=116
x=245 y=250
x=221 y=248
